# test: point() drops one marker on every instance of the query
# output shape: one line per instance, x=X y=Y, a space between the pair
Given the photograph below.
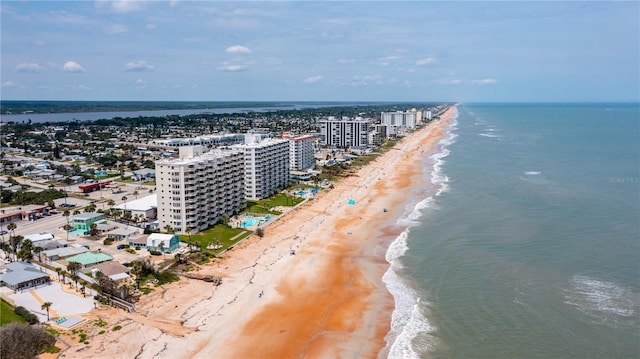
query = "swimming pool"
x=249 y=219
x=249 y=222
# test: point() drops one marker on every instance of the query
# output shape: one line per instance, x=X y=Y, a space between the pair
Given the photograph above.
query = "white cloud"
x=140 y=82
x=117 y=29
x=346 y=61
x=447 y=82
x=72 y=66
x=233 y=68
x=430 y=60
x=366 y=80
x=29 y=68
x=150 y=26
x=121 y=6
x=139 y=66
x=387 y=60
x=312 y=79
x=487 y=81
x=238 y=49
x=9 y=84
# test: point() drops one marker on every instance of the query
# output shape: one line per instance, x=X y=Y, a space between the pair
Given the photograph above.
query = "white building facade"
x=266 y=166
x=197 y=190
x=345 y=132
x=301 y=153
x=402 y=119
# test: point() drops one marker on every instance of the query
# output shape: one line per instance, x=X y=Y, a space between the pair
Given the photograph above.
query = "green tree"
x=26 y=250
x=93 y=230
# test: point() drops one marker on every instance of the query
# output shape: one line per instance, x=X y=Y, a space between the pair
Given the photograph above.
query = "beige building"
x=197 y=190
x=266 y=166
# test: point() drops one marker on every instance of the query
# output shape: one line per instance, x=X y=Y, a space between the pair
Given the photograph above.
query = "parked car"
x=54 y=211
x=122 y=246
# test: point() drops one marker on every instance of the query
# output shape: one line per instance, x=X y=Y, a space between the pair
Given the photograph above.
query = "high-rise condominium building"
x=198 y=190
x=301 y=153
x=407 y=119
x=344 y=132
x=266 y=166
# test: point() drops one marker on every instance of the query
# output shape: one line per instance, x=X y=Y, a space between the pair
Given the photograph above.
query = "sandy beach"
x=325 y=301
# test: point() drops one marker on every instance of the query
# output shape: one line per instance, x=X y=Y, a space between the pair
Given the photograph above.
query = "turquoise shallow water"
x=525 y=240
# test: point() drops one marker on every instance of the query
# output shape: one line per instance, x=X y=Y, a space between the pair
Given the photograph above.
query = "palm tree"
x=46 y=306
x=74 y=267
x=135 y=193
x=25 y=252
x=37 y=250
x=11 y=227
x=168 y=228
x=76 y=212
x=58 y=270
x=124 y=198
x=75 y=279
x=111 y=203
x=15 y=242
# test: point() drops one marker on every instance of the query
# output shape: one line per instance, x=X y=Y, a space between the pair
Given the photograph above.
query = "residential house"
x=88 y=259
x=23 y=275
x=170 y=242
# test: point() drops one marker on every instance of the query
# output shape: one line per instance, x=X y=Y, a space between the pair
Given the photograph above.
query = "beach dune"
x=325 y=301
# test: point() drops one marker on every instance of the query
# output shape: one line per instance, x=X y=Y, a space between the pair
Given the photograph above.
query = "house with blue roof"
x=23 y=275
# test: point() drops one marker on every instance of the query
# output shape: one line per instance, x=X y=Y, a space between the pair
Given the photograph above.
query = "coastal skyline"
x=324 y=51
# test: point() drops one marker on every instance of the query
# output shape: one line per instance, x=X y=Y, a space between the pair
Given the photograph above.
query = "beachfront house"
x=23 y=275
x=114 y=270
x=170 y=242
x=88 y=259
x=83 y=221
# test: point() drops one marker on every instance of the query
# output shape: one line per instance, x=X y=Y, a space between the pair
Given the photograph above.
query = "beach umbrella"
x=351 y=201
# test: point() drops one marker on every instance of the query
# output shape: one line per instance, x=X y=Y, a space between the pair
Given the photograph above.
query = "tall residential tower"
x=198 y=190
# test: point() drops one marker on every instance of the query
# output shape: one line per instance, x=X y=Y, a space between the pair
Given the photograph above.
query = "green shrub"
x=108 y=241
x=116 y=328
x=155 y=253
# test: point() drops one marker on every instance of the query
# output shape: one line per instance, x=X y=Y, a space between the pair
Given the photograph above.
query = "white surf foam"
x=490 y=135
x=532 y=173
x=602 y=300
x=407 y=321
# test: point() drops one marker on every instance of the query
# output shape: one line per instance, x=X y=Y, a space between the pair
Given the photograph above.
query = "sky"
x=477 y=51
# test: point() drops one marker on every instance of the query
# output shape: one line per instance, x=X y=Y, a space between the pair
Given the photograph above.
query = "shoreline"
x=327 y=300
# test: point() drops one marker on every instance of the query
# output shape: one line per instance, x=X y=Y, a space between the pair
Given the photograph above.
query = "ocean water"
x=524 y=241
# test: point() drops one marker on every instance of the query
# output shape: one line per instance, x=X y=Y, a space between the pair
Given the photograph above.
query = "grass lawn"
x=280 y=199
x=363 y=160
x=7 y=315
x=220 y=232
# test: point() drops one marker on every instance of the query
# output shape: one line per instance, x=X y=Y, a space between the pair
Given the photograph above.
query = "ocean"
x=524 y=241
